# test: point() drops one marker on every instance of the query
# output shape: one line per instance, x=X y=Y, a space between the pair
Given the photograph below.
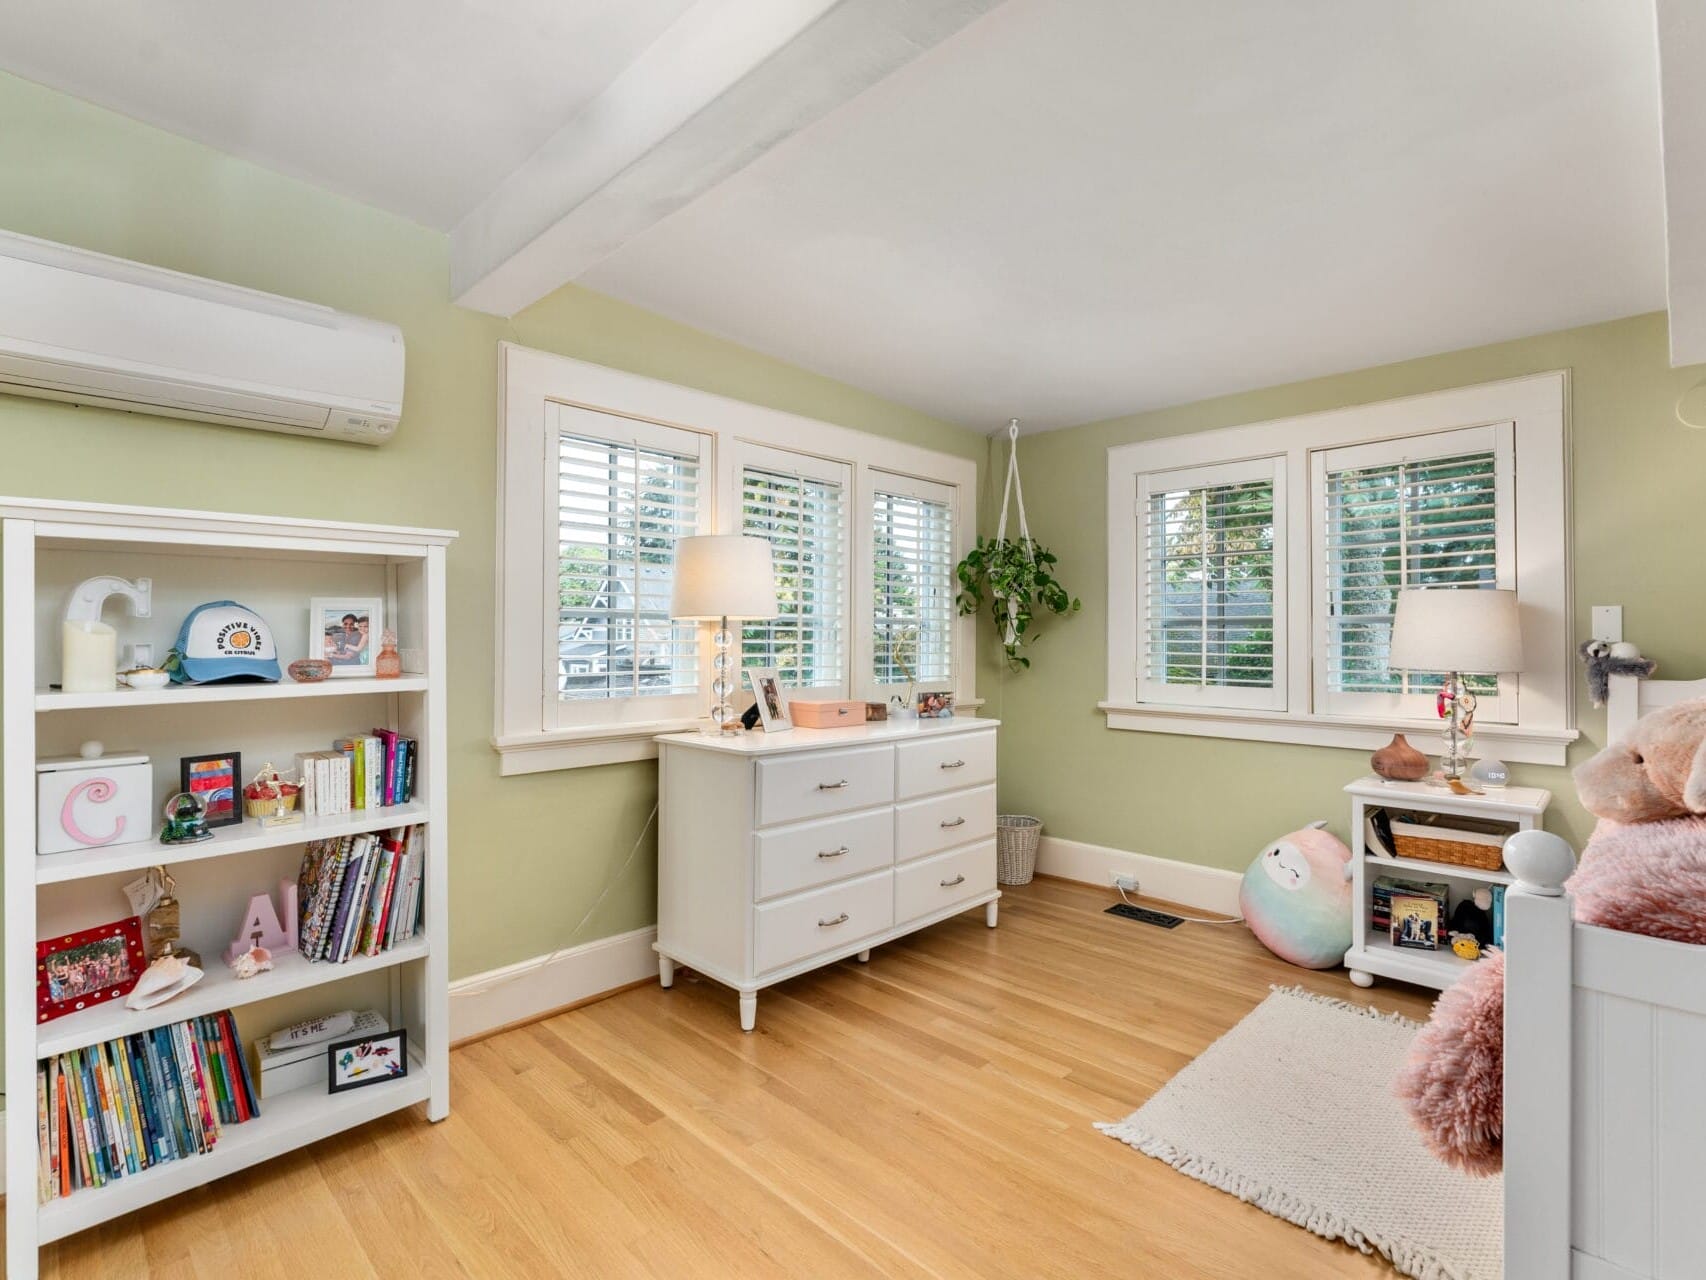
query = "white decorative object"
x=406 y=567
x=779 y=855
x=167 y=977
x=1456 y=631
x=1489 y=774
x=256 y=959
x=719 y=576
x=88 y=646
x=90 y=802
x=1371 y=952
x=1603 y=1032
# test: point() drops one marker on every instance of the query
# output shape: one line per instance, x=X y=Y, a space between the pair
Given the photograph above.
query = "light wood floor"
x=927 y=1114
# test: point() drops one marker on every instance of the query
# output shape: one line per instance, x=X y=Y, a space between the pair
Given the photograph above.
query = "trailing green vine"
x=1016 y=584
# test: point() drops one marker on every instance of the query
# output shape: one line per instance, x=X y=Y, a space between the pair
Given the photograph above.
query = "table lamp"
x=1456 y=630
x=719 y=576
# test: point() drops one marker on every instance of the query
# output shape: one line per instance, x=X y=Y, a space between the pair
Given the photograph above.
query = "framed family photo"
x=345 y=631
x=86 y=968
x=772 y=696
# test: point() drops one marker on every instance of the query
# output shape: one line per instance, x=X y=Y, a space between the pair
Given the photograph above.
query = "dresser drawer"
x=935 y=884
x=815 y=784
x=814 y=853
x=944 y=763
x=803 y=926
x=941 y=822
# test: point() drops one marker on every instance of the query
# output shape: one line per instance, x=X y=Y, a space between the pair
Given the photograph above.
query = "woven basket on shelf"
x=1016 y=839
x=1484 y=852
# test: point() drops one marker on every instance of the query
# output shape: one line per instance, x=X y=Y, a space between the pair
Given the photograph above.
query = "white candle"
x=89 y=652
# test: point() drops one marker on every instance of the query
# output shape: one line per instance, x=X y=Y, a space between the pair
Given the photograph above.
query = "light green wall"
x=1638 y=523
x=531 y=854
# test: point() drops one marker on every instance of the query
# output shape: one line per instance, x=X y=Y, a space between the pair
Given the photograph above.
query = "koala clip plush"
x=1605 y=659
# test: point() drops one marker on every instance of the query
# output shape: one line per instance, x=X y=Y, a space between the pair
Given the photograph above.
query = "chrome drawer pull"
x=949 y=884
x=832 y=786
x=826 y=924
x=954 y=822
x=952 y=764
x=833 y=853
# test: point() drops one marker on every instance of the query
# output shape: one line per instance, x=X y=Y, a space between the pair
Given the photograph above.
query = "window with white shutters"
x=1212 y=632
x=912 y=561
x=802 y=511
x=1431 y=511
x=620 y=507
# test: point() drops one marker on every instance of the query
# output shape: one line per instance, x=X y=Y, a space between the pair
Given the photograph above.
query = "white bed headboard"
x=1630 y=699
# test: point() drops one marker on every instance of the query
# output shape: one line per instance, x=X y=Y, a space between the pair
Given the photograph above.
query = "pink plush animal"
x=1643 y=871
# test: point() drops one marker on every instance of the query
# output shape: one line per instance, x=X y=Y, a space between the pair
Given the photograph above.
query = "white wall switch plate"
x=1608 y=622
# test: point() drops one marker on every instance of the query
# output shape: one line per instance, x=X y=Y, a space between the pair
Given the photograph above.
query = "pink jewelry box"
x=825 y=713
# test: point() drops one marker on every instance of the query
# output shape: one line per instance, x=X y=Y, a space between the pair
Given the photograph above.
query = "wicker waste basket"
x=1016 y=839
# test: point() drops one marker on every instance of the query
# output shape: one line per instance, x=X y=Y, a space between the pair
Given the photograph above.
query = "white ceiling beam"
x=1682 y=97
x=730 y=80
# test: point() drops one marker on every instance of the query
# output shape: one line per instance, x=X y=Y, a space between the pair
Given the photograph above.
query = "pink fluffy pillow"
x=1646 y=877
x=1454 y=1080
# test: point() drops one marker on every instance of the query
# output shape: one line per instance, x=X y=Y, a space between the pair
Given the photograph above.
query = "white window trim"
x=1537 y=409
x=530 y=734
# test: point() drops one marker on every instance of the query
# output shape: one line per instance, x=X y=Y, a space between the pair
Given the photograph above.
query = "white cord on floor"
x=1176 y=915
x=574 y=933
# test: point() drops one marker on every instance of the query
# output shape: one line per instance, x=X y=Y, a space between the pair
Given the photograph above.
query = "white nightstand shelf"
x=1372 y=954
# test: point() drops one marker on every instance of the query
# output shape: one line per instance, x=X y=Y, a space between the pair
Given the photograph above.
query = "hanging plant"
x=1015 y=578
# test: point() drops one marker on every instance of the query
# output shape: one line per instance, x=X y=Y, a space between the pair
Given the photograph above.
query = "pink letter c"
x=99 y=791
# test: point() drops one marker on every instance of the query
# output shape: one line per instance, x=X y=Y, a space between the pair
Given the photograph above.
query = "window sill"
x=1509 y=743
x=584 y=748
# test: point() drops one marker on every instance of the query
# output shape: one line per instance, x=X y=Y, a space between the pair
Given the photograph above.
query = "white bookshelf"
x=273 y=565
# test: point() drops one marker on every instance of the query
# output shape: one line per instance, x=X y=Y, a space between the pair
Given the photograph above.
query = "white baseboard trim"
x=517 y=992
x=1205 y=888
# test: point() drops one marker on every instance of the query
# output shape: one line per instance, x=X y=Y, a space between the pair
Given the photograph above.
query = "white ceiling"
x=421 y=107
x=1077 y=210
x=1061 y=210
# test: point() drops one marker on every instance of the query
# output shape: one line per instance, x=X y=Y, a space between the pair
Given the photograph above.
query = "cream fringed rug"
x=1292 y=1111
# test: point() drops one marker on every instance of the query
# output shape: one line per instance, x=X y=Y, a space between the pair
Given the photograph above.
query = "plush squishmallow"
x=1296 y=898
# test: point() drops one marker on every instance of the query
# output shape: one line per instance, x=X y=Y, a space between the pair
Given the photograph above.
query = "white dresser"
x=778 y=853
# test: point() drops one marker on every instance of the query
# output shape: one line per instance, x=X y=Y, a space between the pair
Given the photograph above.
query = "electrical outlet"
x=1123 y=880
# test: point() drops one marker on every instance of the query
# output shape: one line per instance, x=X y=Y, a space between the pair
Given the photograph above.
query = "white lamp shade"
x=723 y=575
x=1456 y=630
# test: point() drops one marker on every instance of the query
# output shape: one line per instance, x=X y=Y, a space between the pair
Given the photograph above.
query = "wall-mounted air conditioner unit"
x=97 y=330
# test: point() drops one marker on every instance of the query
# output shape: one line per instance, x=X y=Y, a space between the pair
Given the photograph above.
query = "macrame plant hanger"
x=1014 y=492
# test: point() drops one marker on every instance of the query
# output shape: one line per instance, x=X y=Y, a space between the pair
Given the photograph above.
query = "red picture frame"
x=90 y=967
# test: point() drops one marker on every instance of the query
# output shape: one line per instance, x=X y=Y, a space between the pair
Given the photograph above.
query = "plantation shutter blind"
x=912 y=546
x=805 y=520
x=621 y=505
x=1212 y=631
x=1433 y=511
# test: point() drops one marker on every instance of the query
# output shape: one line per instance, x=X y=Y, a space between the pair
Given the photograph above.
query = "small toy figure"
x=1464 y=944
x=1473 y=917
x=185 y=823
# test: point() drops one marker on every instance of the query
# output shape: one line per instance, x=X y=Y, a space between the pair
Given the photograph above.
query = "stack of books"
x=115 y=1109
x=361 y=771
x=1380 y=909
x=360 y=895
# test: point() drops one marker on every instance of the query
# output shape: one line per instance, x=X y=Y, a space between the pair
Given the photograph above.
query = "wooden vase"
x=1398 y=761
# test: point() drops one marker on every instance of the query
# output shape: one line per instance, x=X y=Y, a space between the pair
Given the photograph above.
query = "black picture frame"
x=389 y=1057
x=186 y=769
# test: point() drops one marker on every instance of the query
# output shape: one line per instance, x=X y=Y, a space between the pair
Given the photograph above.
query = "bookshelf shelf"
x=250 y=837
x=190 y=695
x=285 y=1123
x=220 y=989
x=275 y=565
